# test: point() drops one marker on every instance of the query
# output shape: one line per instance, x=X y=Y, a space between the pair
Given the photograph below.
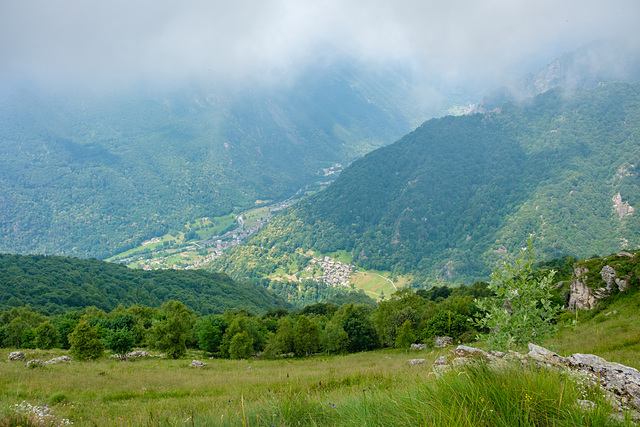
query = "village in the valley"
x=219 y=243
x=334 y=273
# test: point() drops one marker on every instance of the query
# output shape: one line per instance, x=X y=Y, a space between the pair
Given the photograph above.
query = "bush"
x=120 y=342
x=85 y=343
x=522 y=310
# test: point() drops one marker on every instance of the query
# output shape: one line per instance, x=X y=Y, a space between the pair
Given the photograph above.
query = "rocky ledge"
x=620 y=382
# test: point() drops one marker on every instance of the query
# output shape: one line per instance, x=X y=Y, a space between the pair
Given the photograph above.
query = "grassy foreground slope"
x=366 y=388
x=458 y=195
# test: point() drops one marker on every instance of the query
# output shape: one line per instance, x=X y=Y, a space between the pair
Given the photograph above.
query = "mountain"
x=598 y=62
x=458 y=195
x=57 y=284
x=88 y=175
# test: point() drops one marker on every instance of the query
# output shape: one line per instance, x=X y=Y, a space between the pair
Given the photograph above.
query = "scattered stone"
x=140 y=353
x=58 y=360
x=470 y=352
x=39 y=415
x=197 y=364
x=625 y=253
x=416 y=362
x=17 y=356
x=35 y=363
x=441 y=365
x=442 y=342
x=418 y=346
x=248 y=368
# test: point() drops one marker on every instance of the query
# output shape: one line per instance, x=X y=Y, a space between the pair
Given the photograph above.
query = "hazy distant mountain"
x=92 y=176
x=600 y=62
x=453 y=198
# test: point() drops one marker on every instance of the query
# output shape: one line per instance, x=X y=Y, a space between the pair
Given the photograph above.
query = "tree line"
x=406 y=317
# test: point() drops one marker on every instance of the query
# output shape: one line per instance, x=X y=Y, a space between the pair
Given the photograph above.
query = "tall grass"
x=476 y=396
x=365 y=389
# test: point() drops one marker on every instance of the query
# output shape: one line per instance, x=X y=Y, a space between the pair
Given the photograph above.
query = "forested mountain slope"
x=95 y=175
x=57 y=284
x=459 y=194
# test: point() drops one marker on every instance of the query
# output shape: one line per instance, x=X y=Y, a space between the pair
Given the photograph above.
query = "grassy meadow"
x=374 y=388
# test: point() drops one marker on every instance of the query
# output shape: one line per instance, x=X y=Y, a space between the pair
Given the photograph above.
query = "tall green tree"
x=209 y=332
x=405 y=336
x=334 y=339
x=172 y=331
x=241 y=346
x=306 y=336
x=47 y=335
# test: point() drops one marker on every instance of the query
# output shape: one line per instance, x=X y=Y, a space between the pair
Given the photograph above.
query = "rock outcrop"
x=581 y=296
x=58 y=360
x=197 y=364
x=609 y=276
x=442 y=342
x=585 y=298
x=17 y=356
x=35 y=363
x=620 y=382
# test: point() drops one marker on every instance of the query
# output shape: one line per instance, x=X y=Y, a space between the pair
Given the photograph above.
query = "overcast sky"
x=121 y=42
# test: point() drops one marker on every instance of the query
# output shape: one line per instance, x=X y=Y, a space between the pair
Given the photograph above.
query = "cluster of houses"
x=334 y=273
x=221 y=243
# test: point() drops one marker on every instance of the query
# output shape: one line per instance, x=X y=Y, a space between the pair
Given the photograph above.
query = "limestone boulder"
x=17 y=356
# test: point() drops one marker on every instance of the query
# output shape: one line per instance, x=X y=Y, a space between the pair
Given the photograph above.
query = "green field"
x=146 y=392
x=371 y=388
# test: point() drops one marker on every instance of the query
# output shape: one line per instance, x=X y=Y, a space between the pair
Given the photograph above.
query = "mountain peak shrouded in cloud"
x=115 y=44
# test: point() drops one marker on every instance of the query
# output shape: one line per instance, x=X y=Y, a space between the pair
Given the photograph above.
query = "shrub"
x=85 y=343
x=522 y=310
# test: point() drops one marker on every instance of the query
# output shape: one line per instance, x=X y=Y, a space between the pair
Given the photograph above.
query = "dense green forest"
x=53 y=285
x=452 y=199
x=84 y=175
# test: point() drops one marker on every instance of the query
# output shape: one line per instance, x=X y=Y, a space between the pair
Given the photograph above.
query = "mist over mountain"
x=594 y=63
x=95 y=175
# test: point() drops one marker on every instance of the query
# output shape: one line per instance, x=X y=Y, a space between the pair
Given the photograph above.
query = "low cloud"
x=465 y=42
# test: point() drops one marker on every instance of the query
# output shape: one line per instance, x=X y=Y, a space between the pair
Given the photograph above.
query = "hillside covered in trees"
x=460 y=194
x=84 y=175
x=54 y=285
